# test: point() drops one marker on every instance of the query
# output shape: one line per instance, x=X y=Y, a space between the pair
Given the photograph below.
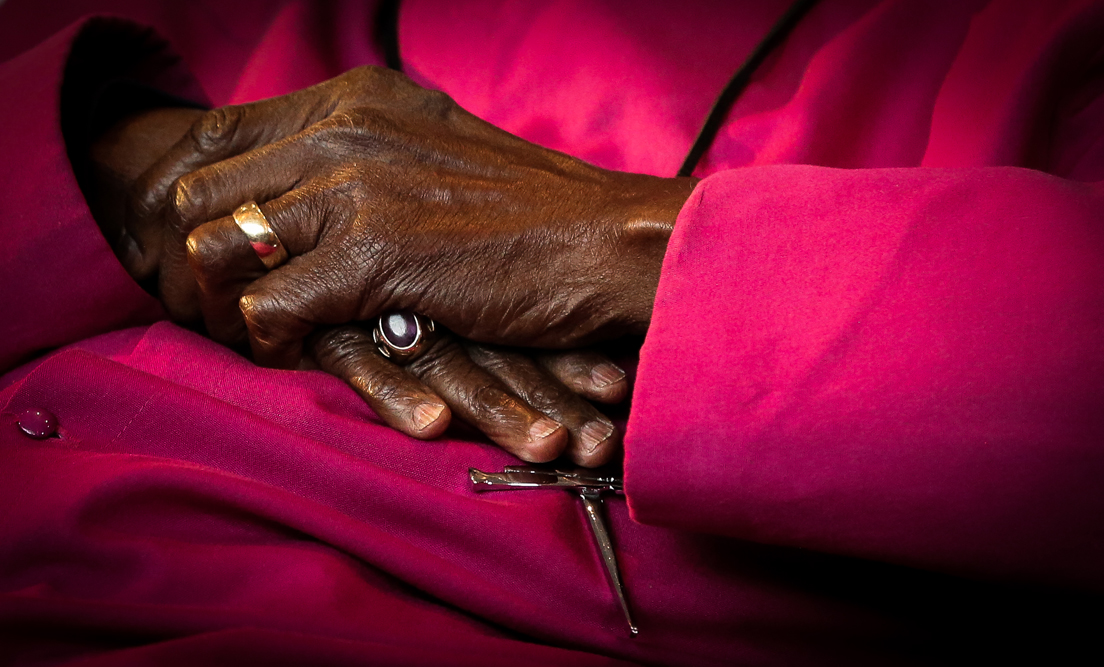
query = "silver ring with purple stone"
x=402 y=336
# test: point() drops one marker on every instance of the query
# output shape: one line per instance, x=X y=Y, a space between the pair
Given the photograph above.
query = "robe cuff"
x=61 y=280
x=899 y=364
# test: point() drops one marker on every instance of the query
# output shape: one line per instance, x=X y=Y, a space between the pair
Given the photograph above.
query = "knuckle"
x=436 y=103
x=339 y=347
x=342 y=340
x=546 y=396
x=494 y=360
x=346 y=352
x=381 y=388
x=187 y=202
x=261 y=313
x=538 y=389
x=440 y=356
x=364 y=128
x=204 y=253
x=215 y=129
x=490 y=403
x=340 y=131
x=334 y=127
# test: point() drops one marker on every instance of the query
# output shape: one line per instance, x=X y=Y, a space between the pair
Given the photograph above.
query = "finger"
x=225 y=132
x=215 y=190
x=206 y=194
x=587 y=373
x=483 y=401
x=593 y=438
x=224 y=264
x=298 y=216
x=189 y=203
x=400 y=399
x=229 y=131
x=283 y=306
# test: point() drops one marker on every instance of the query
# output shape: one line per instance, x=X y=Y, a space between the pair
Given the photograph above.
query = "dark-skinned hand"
x=389 y=197
x=508 y=395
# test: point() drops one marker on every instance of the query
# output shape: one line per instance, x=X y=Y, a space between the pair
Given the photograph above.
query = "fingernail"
x=595 y=433
x=605 y=374
x=426 y=413
x=542 y=428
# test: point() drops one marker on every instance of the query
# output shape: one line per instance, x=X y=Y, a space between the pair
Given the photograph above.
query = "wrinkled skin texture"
x=506 y=394
x=389 y=196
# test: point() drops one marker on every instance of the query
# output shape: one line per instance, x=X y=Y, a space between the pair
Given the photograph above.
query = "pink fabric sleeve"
x=904 y=365
x=59 y=280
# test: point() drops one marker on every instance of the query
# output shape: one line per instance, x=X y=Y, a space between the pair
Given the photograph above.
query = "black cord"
x=738 y=82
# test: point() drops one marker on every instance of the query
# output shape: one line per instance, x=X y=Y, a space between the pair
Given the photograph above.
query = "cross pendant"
x=590 y=488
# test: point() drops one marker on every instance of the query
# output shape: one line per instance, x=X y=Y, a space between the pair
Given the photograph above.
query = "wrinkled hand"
x=389 y=196
x=508 y=395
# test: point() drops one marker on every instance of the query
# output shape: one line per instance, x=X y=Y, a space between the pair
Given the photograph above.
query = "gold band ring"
x=262 y=237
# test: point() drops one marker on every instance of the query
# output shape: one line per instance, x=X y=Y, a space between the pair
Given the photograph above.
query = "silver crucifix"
x=590 y=488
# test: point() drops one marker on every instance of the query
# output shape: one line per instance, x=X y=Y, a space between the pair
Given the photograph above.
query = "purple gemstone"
x=38 y=424
x=400 y=329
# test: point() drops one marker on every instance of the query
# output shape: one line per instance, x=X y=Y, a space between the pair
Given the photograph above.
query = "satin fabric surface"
x=867 y=418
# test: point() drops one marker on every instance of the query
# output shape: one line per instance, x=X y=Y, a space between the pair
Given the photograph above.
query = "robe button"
x=37 y=424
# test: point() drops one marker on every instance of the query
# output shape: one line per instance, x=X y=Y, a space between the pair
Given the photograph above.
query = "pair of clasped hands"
x=388 y=197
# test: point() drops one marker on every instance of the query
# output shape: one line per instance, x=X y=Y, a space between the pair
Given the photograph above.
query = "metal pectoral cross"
x=590 y=488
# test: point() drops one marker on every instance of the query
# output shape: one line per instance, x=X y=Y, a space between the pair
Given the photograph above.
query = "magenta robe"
x=868 y=416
